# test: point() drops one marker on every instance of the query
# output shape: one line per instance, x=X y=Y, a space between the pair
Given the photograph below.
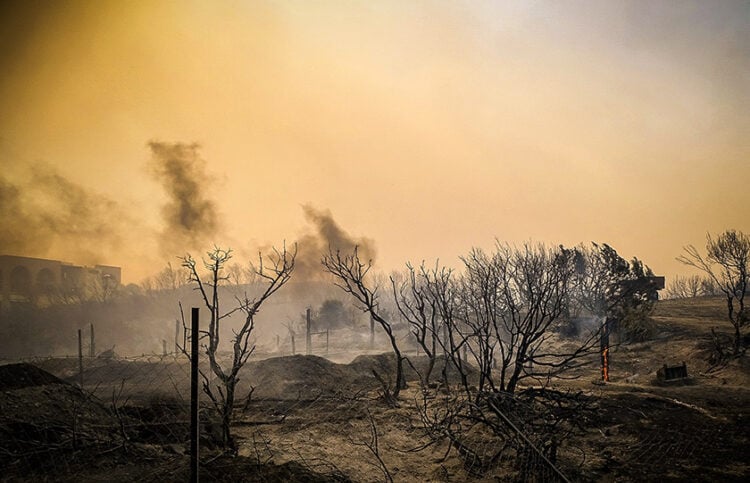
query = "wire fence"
x=128 y=419
x=306 y=419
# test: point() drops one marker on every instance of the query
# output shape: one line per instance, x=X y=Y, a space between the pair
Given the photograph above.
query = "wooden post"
x=293 y=349
x=327 y=341
x=176 y=337
x=92 y=348
x=308 y=336
x=278 y=342
x=164 y=347
x=372 y=332
x=80 y=358
x=194 y=424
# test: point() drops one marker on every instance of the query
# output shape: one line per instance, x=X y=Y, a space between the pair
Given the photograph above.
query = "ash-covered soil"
x=310 y=419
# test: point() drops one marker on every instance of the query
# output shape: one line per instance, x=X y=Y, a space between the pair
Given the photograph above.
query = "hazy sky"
x=428 y=127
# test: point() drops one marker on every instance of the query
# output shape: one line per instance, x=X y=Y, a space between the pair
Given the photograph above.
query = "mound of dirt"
x=38 y=413
x=295 y=377
x=19 y=376
x=113 y=371
x=384 y=364
x=308 y=377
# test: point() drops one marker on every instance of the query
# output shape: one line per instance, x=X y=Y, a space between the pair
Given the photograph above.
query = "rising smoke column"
x=50 y=216
x=326 y=234
x=190 y=216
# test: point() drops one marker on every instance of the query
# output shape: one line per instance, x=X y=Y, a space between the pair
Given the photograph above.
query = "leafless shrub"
x=417 y=304
x=351 y=275
x=727 y=263
x=500 y=432
x=373 y=446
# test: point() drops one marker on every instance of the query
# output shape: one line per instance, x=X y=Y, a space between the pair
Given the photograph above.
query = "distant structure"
x=25 y=279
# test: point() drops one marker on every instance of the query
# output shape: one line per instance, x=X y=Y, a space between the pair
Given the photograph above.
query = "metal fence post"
x=194 y=425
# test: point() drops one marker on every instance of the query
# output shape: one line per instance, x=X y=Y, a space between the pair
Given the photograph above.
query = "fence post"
x=194 y=426
x=164 y=347
x=92 y=349
x=308 y=336
x=293 y=349
x=327 y=341
x=80 y=358
x=372 y=332
x=176 y=337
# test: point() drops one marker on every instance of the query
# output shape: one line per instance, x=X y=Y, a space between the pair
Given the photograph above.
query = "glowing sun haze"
x=428 y=127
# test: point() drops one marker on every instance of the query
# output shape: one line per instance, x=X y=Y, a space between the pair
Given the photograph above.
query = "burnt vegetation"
x=494 y=369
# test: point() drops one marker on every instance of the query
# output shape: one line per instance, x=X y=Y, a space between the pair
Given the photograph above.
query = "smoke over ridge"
x=190 y=216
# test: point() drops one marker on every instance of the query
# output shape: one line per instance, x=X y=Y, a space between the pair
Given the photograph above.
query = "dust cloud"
x=190 y=217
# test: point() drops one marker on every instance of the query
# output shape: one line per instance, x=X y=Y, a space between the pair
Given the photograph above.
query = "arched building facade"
x=26 y=279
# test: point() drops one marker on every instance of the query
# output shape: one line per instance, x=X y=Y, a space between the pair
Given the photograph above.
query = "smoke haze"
x=47 y=215
x=447 y=123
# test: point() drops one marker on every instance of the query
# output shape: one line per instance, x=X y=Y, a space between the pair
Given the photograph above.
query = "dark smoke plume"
x=326 y=234
x=190 y=217
x=48 y=215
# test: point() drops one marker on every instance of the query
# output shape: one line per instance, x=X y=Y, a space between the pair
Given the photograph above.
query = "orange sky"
x=429 y=127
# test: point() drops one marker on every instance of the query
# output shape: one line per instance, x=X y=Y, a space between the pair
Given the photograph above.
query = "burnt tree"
x=726 y=263
x=512 y=300
x=419 y=307
x=274 y=271
x=351 y=276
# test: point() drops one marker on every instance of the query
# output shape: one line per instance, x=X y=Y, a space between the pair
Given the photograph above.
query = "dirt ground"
x=311 y=419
